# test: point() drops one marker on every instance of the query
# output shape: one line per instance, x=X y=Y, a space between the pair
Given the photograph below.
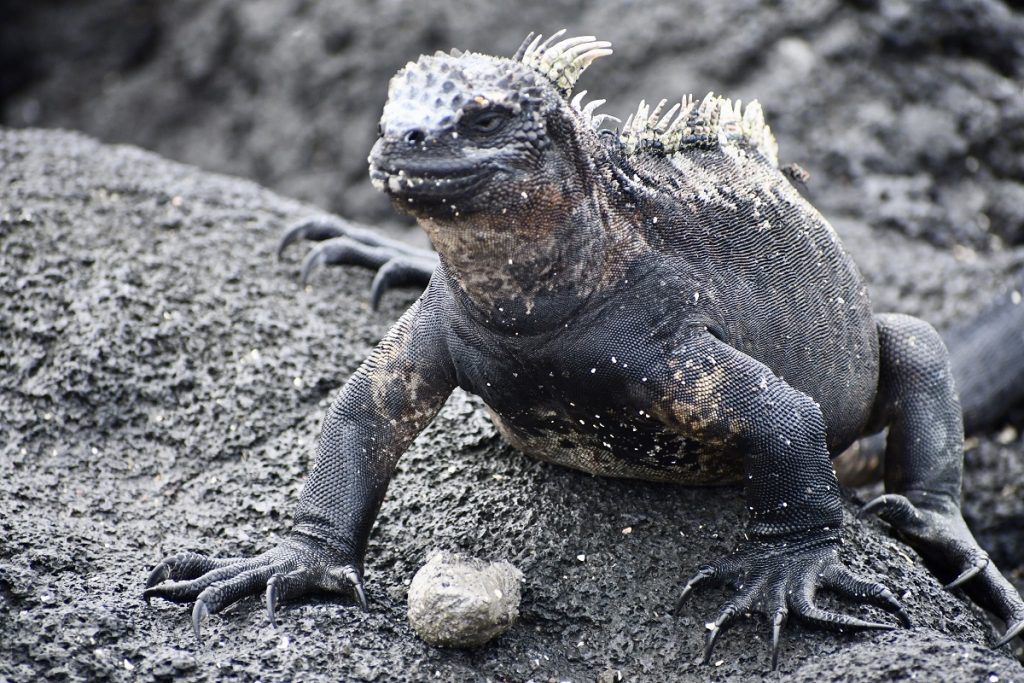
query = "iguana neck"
x=525 y=268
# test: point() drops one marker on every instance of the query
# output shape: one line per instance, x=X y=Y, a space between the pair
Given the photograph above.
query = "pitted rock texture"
x=162 y=381
x=907 y=113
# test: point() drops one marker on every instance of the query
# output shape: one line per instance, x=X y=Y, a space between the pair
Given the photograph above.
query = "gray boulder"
x=162 y=380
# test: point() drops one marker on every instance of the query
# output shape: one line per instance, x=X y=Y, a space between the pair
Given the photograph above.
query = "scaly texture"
x=658 y=303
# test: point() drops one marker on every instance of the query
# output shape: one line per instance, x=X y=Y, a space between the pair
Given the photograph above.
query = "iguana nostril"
x=415 y=136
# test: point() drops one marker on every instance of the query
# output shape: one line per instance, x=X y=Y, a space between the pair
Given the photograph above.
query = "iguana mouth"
x=428 y=184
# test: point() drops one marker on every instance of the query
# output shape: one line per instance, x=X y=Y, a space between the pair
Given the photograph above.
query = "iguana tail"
x=987 y=352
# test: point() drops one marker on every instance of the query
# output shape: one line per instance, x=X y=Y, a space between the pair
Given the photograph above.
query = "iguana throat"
x=489 y=157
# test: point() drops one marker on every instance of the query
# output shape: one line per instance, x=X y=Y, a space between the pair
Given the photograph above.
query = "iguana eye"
x=488 y=122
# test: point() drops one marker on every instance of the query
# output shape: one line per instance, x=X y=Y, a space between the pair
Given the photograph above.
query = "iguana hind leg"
x=342 y=243
x=917 y=400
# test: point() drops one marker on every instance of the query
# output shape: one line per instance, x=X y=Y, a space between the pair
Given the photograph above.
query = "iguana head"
x=465 y=133
x=497 y=164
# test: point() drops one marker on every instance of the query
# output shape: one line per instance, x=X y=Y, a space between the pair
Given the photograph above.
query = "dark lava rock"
x=908 y=114
x=162 y=380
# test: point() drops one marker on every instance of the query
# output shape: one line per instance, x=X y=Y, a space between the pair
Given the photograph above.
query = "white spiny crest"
x=563 y=62
x=713 y=121
x=587 y=110
x=591 y=106
x=757 y=132
x=674 y=130
x=646 y=126
x=599 y=120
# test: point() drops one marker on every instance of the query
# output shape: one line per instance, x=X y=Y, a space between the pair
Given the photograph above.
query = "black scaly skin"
x=672 y=308
x=986 y=350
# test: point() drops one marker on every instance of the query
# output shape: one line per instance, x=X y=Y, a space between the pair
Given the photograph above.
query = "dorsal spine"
x=688 y=124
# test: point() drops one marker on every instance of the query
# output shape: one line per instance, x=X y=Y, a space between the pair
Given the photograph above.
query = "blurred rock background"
x=909 y=114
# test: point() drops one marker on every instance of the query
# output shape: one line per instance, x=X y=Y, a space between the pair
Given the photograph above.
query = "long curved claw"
x=160 y=573
x=709 y=643
x=184 y=566
x=725 y=618
x=846 y=583
x=343 y=251
x=312 y=229
x=831 y=621
x=703 y=574
x=888 y=601
x=1014 y=630
x=778 y=623
x=361 y=596
x=400 y=271
x=272 y=595
x=313 y=260
x=892 y=508
x=199 y=613
x=283 y=586
x=781 y=577
x=979 y=564
x=352 y=576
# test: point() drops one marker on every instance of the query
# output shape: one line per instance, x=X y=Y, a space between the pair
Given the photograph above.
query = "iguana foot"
x=299 y=565
x=781 y=577
x=344 y=244
x=934 y=526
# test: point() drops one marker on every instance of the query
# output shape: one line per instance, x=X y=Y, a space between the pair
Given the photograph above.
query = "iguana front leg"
x=391 y=397
x=342 y=243
x=736 y=405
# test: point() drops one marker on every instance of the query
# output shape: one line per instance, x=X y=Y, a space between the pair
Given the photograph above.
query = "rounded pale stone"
x=459 y=601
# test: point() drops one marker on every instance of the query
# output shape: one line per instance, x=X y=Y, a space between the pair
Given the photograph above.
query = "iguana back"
x=713 y=202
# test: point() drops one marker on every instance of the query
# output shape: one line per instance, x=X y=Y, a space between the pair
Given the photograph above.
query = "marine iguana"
x=658 y=303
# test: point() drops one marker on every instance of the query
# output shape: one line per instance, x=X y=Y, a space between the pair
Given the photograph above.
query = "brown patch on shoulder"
x=402 y=395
